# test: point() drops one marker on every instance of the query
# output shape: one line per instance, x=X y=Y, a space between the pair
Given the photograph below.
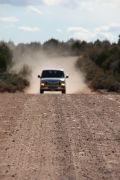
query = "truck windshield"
x=53 y=74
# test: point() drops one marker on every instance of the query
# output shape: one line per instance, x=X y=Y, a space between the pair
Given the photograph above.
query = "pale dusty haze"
x=39 y=61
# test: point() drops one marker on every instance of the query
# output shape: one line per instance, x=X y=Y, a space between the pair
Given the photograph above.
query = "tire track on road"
x=96 y=133
x=67 y=166
x=9 y=104
x=32 y=155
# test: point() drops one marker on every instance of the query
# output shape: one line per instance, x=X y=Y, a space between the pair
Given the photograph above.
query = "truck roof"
x=52 y=70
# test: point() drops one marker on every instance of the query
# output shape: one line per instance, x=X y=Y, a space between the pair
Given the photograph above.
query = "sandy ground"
x=59 y=137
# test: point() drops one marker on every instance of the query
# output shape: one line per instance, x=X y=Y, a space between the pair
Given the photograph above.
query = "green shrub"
x=96 y=77
x=5 y=57
x=12 y=82
x=8 y=81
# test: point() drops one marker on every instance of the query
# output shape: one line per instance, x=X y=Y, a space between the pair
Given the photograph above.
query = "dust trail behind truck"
x=38 y=61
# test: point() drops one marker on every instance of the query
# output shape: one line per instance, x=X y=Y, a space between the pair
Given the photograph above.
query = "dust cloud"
x=39 y=61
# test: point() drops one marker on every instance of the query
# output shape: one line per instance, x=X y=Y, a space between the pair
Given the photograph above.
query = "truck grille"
x=53 y=83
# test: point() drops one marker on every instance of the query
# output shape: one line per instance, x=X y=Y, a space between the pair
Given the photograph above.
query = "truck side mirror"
x=67 y=76
x=39 y=76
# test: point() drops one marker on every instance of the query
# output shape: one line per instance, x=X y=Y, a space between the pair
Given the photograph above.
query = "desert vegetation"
x=101 y=66
x=10 y=81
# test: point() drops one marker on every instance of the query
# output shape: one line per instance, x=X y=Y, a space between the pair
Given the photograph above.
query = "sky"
x=25 y=21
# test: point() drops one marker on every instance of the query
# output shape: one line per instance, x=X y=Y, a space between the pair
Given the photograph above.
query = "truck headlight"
x=42 y=84
x=62 y=83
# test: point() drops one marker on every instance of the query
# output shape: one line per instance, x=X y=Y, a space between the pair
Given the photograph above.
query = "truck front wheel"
x=64 y=92
x=41 y=91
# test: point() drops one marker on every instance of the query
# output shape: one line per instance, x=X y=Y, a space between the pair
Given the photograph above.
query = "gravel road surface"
x=59 y=137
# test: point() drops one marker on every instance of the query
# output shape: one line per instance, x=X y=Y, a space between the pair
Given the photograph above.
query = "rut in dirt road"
x=59 y=137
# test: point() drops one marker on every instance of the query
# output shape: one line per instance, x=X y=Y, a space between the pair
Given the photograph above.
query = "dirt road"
x=59 y=137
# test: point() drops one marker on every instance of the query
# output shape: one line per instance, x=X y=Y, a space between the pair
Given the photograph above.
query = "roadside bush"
x=5 y=57
x=96 y=77
x=12 y=82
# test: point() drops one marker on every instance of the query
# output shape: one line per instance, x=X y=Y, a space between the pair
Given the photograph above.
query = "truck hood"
x=52 y=79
